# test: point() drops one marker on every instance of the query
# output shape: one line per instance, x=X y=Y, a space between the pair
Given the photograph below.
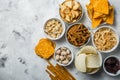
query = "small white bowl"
x=72 y=44
x=69 y=61
x=77 y=19
x=117 y=36
x=63 y=26
x=111 y=74
x=100 y=56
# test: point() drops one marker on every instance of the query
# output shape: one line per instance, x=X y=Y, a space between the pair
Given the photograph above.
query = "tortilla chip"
x=90 y=10
x=110 y=17
x=102 y=7
x=97 y=15
x=45 y=48
x=96 y=22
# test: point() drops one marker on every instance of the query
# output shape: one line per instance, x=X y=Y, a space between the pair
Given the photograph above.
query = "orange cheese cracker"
x=102 y=7
x=45 y=48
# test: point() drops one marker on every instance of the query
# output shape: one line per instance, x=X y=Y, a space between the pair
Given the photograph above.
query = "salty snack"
x=58 y=72
x=63 y=55
x=70 y=11
x=88 y=61
x=45 y=48
x=100 y=11
x=53 y=28
x=105 y=39
x=78 y=35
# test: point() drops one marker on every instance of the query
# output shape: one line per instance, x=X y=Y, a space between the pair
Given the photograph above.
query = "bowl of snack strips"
x=63 y=56
x=105 y=39
x=54 y=28
x=70 y=11
x=78 y=35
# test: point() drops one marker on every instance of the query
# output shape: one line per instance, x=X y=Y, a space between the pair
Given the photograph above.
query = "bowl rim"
x=117 y=37
x=100 y=56
x=77 y=19
x=111 y=74
x=69 y=61
x=72 y=44
x=63 y=26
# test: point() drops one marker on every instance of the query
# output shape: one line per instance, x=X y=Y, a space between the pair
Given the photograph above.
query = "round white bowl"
x=63 y=26
x=100 y=56
x=72 y=44
x=69 y=61
x=111 y=74
x=77 y=19
x=117 y=36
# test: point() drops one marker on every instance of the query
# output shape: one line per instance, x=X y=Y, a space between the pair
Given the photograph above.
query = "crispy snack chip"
x=110 y=17
x=45 y=48
x=100 y=11
x=102 y=6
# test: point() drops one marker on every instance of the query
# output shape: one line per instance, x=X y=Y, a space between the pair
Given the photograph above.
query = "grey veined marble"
x=21 y=23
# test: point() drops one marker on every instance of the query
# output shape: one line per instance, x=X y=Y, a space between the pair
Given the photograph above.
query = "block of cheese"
x=93 y=61
x=80 y=62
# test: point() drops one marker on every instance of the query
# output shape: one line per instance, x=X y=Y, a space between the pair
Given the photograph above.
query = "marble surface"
x=21 y=23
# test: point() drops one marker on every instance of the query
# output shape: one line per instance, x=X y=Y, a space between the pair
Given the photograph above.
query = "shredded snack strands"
x=58 y=73
x=45 y=48
x=78 y=35
x=105 y=39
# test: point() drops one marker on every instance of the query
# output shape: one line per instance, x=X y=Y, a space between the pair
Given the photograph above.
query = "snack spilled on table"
x=78 y=35
x=100 y=11
x=105 y=39
x=58 y=73
x=45 y=48
x=70 y=11
x=53 y=28
x=87 y=60
x=63 y=55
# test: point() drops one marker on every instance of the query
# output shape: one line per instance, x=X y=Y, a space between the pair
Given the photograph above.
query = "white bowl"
x=100 y=56
x=69 y=61
x=77 y=19
x=72 y=44
x=117 y=36
x=111 y=74
x=63 y=25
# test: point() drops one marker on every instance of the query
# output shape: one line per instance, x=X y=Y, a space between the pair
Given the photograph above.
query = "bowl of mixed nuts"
x=63 y=56
x=54 y=28
x=70 y=11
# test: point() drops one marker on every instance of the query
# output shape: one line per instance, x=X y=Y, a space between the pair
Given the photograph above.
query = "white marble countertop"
x=21 y=23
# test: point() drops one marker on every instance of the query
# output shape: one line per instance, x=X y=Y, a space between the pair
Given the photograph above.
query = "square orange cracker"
x=101 y=6
x=45 y=48
x=96 y=22
x=110 y=17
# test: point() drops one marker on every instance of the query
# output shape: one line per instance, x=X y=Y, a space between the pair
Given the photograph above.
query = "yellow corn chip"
x=102 y=6
x=96 y=22
x=110 y=17
x=97 y=15
x=90 y=10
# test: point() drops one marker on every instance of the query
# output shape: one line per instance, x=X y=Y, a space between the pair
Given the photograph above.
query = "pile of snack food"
x=89 y=59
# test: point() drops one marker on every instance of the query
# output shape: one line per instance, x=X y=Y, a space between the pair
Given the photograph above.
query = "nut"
x=53 y=28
